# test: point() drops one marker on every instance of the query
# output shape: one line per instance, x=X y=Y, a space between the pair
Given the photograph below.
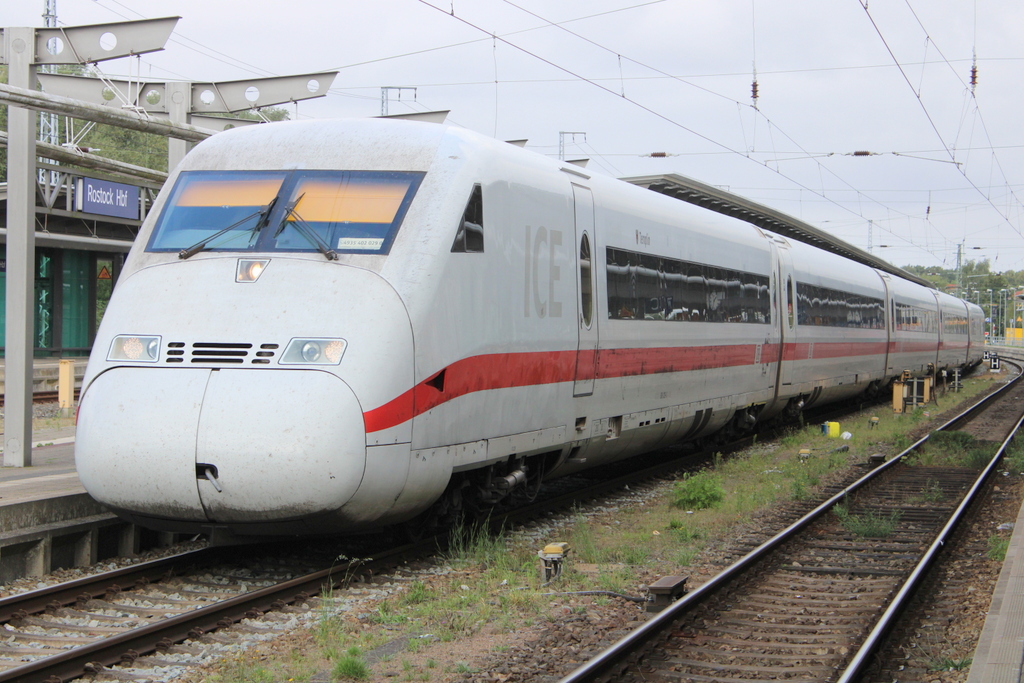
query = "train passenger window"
x=469 y=239
x=910 y=318
x=648 y=287
x=586 y=282
x=826 y=307
x=954 y=324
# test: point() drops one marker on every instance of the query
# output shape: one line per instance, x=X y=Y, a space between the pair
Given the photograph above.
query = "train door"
x=890 y=327
x=786 y=312
x=586 y=348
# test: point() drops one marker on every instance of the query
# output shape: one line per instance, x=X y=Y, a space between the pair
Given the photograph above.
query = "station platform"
x=999 y=656
x=47 y=520
x=52 y=473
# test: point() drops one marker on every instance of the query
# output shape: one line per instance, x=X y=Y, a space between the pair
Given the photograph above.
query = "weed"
x=417 y=593
x=243 y=671
x=683 y=533
x=871 y=525
x=699 y=491
x=685 y=557
x=452 y=620
x=385 y=614
x=949 y=664
x=790 y=440
x=953 y=449
x=1014 y=457
x=901 y=442
x=932 y=492
x=617 y=581
x=350 y=666
x=997 y=547
x=631 y=553
x=474 y=544
x=583 y=543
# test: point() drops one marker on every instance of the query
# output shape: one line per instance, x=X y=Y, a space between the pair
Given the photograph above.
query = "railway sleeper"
x=805 y=666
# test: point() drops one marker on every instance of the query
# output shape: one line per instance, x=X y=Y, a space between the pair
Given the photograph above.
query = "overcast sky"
x=672 y=77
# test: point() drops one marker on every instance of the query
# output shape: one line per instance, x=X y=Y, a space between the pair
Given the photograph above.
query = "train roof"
x=709 y=197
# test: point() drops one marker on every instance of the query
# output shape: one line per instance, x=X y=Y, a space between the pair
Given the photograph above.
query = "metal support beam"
x=178 y=96
x=186 y=103
x=24 y=49
x=21 y=211
x=71 y=157
x=65 y=106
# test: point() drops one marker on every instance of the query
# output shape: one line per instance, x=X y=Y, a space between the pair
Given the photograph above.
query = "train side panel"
x=914 y=323
x=954 y=331
x=840 y=342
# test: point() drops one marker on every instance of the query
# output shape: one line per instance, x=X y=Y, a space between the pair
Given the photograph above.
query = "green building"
x=80 y=247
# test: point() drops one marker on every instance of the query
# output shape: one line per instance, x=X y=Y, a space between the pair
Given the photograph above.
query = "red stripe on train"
x=508 y=370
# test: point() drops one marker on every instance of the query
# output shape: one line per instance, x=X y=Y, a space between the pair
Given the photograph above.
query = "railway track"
x=144 y=614
x=42 y=397
x=816 y=601
x=64 y=631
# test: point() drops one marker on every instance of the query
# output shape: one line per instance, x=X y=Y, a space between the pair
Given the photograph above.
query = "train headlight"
x=135 y=348
x=313 y=352
x=249 y=270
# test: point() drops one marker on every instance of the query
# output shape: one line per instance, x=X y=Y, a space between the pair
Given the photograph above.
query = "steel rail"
x=134 y=643
x=137 y=642
x=61 y=594
x=874 y=640
x=618 y=654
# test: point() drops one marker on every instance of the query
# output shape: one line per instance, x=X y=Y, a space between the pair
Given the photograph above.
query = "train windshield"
x=355 y=212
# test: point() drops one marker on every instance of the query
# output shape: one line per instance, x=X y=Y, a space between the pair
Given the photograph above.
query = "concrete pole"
x=19 y=46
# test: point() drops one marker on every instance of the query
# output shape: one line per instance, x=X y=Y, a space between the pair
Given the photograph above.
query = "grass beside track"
x=493 y=591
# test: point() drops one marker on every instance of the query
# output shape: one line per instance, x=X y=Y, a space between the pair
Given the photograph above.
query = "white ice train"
x=329 y=326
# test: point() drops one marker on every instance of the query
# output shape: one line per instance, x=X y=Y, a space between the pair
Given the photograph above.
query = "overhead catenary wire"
x=634 y=102
x=927 y=114
x=623 y=76
x=770 y=124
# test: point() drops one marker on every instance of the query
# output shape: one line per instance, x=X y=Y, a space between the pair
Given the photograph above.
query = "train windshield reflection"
x=348 y=211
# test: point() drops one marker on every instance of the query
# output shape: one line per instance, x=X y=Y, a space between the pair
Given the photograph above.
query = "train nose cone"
x=284 y=444
x=224 y=446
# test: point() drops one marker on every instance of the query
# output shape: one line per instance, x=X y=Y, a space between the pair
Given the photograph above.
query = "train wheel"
x=439 y=518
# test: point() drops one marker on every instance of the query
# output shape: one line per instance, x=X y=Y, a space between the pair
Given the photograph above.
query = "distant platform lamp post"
x=24 y=50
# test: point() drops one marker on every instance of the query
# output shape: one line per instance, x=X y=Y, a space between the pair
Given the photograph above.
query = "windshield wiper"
x=303 y=229
x=263 y=213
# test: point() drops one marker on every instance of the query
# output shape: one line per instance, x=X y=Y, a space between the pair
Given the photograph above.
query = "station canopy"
x=716 y=199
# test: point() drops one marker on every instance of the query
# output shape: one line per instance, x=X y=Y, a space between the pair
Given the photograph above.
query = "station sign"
x=107 y=198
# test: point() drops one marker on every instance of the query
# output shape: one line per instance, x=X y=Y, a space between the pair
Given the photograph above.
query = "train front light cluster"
x=249 y=270
x=135 y=348
x=313 y=352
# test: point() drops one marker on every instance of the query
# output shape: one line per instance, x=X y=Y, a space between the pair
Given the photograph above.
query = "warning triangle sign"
x=104 y=274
